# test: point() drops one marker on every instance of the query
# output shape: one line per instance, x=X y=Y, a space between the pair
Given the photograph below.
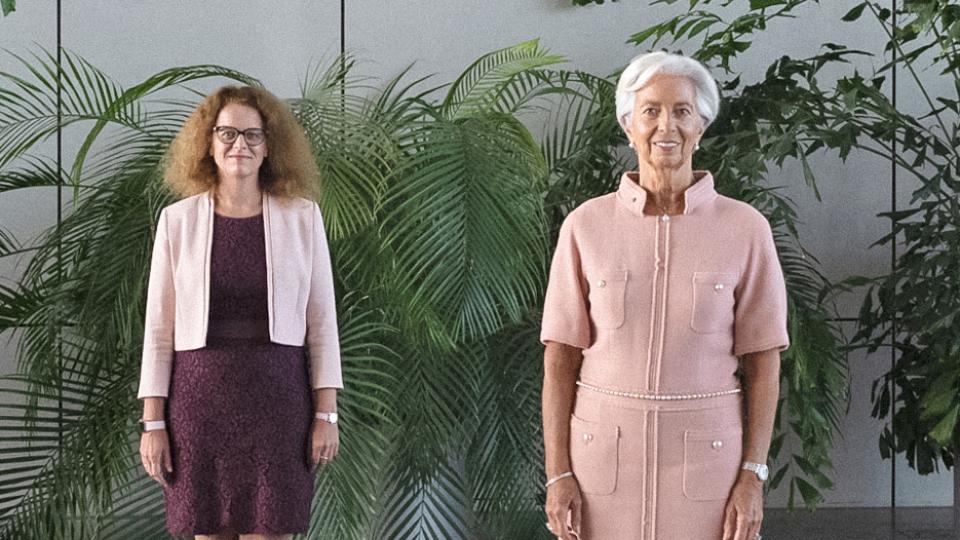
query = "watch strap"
x=329 y=417
x=152 y=425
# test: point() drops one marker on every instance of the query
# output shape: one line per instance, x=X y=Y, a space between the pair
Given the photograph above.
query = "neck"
x=238 y=195
x=664 y=188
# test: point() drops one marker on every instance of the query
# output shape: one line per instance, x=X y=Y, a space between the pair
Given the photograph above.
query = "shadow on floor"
x=860 y=524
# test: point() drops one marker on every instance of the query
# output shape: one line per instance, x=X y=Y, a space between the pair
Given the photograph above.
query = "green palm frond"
x=488 y=81
x=465 y=221
x=504 y=464
x=580 y=143
x=344 y=499
x=354 y=152
x=424 y=507
x=28 y=112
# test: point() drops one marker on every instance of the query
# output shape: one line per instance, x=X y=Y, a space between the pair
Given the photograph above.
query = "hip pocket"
x=607 y=297
x=713 y=301
x=711 y=462
x=594 y=450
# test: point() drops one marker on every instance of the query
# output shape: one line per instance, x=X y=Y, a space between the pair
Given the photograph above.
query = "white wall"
x=277 y=42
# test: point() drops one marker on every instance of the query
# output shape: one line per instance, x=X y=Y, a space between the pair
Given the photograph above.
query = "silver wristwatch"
x=760 y=469
x=329 y=417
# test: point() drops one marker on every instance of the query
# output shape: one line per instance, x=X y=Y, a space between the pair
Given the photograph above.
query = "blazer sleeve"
x=760 y=315
x=157 y=361
x=323 y=342
x=566 y=316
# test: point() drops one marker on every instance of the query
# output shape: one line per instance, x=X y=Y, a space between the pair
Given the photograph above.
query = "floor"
x=861 y=524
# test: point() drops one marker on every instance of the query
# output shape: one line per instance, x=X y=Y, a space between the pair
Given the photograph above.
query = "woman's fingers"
x=324 y=444
x=554 y=522
x=168 y=460
x=557 y=514
x=576 y=509
x=155 y=456
x=729 y=522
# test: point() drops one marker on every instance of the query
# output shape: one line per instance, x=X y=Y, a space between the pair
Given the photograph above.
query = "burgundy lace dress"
x=240 y=408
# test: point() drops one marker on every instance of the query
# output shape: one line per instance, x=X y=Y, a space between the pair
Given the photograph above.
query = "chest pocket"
x=607 y=296
x=713 y=301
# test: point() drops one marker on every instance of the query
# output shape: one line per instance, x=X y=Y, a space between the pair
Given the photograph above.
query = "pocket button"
x=601 y=283
x=587 y=437
x=717 y=444
x=718 y=287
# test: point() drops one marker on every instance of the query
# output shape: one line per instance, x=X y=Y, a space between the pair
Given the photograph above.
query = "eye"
x=684 y=112
x=650 y=111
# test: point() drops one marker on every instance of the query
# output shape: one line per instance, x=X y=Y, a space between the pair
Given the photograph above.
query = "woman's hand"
x=155 y=454
x=324 y=444
x=563 y=509
x=744 y=512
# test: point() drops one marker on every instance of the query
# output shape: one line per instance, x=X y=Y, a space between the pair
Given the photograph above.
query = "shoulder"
x=741 y=215
x=185 y=207
x=591 y=211
x=294 y=205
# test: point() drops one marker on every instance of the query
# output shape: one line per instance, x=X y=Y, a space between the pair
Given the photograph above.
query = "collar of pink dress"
x=631 y=195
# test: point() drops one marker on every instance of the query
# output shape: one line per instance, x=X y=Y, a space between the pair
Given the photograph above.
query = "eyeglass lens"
x=227 y=135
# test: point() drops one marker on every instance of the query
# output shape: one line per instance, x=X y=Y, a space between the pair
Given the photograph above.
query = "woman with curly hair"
x=235 y=416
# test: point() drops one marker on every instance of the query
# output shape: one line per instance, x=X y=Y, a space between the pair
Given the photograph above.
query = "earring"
x=630 y=144
x=696 y=147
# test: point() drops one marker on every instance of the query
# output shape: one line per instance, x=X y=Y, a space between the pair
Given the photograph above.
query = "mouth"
x=240 y=157
x=666 y=145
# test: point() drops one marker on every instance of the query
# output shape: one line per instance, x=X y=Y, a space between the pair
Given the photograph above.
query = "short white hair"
x=646 y=66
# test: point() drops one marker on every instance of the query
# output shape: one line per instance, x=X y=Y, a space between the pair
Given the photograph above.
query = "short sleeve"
x=760 y=315
x=565 y=315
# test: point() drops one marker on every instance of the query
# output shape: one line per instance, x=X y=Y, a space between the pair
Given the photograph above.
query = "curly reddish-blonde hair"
x=290 y=170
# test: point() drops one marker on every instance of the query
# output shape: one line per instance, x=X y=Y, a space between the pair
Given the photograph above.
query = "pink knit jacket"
x=300 y=294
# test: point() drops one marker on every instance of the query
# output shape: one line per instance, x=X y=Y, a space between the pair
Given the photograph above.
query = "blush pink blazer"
x=300 y=298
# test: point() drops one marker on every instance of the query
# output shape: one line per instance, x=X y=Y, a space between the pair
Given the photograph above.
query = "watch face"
x=763 y=472
x=334 y=417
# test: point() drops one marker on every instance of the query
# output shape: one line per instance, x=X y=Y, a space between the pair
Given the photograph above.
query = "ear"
x=625 y=126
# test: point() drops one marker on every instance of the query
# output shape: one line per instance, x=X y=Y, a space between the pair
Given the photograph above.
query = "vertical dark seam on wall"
x=893 y=263
x=343 y=55
x=58 y=327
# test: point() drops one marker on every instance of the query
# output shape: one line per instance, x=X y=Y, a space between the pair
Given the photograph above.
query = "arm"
x=761 y=373
x=322 y=338
x=561 y=366
x=157 y=361
x=744 y=512
x=323 y=343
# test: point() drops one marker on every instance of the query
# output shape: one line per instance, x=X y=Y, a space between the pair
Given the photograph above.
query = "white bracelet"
x=558 y=478
x=154 y=425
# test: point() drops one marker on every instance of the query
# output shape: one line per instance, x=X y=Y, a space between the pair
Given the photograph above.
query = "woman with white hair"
x=659 y=294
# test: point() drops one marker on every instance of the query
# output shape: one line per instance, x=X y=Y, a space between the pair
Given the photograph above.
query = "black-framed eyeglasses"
x=228 y=135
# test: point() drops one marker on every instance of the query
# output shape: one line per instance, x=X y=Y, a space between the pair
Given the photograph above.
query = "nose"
x=665 y=122
x=240 y=143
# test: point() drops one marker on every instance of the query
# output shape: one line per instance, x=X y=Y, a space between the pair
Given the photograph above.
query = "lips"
x=667 y=145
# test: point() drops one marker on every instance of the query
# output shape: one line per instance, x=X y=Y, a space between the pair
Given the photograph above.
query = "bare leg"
x=266 y=536
x=215 y=537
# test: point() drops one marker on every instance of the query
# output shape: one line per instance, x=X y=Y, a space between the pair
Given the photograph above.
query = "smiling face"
x=238 y=159
x=665 y=126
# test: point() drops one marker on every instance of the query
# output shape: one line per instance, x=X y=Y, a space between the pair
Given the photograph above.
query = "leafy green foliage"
x=440 y=214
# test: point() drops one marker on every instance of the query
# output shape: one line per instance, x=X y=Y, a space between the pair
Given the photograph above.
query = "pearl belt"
x=657 y=397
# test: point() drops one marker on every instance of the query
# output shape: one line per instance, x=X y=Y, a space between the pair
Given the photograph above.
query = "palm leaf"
x=465 y=221
x=483 y=85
